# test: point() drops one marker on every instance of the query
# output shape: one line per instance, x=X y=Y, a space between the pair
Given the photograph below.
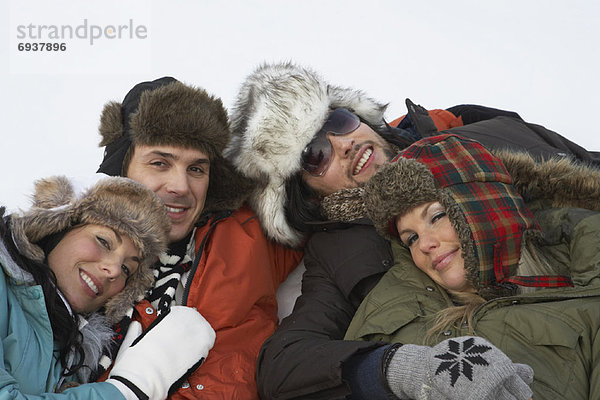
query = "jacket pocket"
x=548 y=341
x=402 y=320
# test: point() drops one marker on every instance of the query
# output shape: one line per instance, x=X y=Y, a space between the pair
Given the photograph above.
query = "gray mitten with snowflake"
x=463 y=368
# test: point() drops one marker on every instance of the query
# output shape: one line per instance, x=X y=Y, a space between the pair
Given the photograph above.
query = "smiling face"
x=179 y=176
x=434 y=245
x=91 y=264
x=356 y=157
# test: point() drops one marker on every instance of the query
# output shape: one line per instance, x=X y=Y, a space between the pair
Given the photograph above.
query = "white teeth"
x=89 y=281
x=174 y=209
x=362 y=161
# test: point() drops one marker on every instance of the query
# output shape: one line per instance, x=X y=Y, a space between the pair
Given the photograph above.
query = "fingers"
x=525 y=372
x=515 y=388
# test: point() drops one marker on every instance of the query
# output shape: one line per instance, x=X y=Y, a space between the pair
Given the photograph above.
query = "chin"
x=178 y=234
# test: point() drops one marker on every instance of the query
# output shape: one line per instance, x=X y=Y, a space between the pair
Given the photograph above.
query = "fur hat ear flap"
x=395 y=189
x=49 y=214
x=52 y=192
x=227 y=188
x=111 y=123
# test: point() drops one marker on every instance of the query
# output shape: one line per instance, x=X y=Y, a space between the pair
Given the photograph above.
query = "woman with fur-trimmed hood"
x=72 y=266
x=526 y=278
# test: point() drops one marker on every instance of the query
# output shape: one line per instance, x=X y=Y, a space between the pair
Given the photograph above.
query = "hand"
x=466 y=368
x=153 y=364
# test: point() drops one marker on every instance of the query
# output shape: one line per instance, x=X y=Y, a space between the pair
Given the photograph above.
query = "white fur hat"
x=279 y=109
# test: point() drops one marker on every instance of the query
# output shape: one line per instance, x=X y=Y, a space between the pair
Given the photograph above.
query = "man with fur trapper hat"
x=170 y=137
x=304 y=140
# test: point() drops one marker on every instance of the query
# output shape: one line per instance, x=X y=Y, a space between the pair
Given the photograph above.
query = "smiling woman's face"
x=91 y=264
x=434 y=245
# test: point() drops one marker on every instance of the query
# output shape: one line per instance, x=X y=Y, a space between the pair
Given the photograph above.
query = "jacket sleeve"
x=470 y=113
x=572 y=239
x=594 y=377
x=9 y=390
x=305 y=355
x=506 y=129
x=285 y=260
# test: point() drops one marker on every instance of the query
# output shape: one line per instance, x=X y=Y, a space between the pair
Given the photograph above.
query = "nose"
x=177 y=183
x=111 y=267
x=428 y=242
x=342 y=144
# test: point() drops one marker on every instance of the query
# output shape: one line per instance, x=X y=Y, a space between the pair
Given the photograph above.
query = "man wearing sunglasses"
x=305 y=141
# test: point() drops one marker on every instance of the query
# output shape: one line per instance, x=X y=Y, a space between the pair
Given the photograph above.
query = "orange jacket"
x=442 y=119
x=233 y=286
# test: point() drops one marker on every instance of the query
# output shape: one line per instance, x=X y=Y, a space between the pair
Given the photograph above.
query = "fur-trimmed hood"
x=60 y=203
x=561 y=182
x=169 y=113
x=279 y=109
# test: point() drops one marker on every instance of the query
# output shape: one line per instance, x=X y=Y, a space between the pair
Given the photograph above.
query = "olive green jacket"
x=552 y=330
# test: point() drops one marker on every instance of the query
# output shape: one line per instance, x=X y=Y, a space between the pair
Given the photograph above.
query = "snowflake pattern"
x=460 y=359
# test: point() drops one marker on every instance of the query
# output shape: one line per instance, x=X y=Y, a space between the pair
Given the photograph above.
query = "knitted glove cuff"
x=407 y=369
x=385 y=364
x=387 y=358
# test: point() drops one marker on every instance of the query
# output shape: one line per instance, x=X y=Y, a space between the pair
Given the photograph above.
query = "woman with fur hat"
x=527 y=281
x=72 y=266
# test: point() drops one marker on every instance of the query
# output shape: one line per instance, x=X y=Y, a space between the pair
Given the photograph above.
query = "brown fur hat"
x=166 y=112
x=119 y=203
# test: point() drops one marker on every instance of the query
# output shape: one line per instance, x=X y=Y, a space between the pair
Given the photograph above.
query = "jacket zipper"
x=216 y=219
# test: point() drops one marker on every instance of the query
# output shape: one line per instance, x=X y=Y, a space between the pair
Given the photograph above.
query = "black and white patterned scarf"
x=168 y=271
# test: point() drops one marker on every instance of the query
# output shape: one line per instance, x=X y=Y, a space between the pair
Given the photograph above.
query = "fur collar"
x=561 y=182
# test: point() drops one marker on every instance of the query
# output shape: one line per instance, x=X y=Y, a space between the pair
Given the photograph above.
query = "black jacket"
x=304 y=357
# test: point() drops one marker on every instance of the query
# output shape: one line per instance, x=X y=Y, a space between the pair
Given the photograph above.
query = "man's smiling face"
x=179 y=176
x=356 y=157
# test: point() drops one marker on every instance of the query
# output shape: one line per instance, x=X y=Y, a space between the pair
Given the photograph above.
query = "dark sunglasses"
x=317 y=155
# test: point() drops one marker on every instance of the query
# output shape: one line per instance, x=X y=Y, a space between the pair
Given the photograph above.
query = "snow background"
x=539 y=58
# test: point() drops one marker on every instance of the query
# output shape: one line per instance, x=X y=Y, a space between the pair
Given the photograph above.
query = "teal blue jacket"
x=29 y=366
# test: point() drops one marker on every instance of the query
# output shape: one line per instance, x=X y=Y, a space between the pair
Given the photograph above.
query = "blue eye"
x=126 y=270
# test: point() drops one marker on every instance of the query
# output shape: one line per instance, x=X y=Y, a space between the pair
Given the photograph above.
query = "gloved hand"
x=151 y=364
x=463 y=368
